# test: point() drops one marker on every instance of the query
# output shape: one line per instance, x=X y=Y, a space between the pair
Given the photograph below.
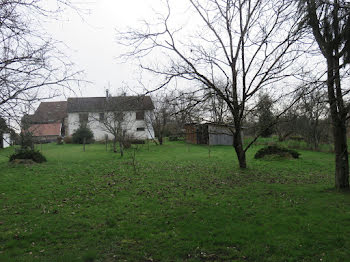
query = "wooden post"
x=134 y=160
x=106 y=137
x=41 y=146
x=84 y=141
x=209 y=149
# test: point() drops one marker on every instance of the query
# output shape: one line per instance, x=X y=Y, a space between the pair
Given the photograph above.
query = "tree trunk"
x=341 y=156
x=115 y=145
x=160 y=137
x=238 y=145
x=121 y=148
x=339 y=125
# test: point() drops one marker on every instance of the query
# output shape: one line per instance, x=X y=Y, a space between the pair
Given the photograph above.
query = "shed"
x=209 y=133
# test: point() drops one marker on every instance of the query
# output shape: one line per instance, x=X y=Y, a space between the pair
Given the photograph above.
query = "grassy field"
x=173 y=203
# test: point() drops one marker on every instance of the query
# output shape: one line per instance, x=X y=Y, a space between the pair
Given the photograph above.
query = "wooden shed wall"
x=191 y=134
x=220 y=135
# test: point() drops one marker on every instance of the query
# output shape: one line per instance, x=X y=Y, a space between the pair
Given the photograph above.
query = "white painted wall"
x=6 y=140
x=130 y=124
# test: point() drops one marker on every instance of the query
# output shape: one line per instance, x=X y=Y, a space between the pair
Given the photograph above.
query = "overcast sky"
x=91 y=41
x=90 y=37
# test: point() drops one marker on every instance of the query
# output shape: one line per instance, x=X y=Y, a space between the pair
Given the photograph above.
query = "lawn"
x=171 y=203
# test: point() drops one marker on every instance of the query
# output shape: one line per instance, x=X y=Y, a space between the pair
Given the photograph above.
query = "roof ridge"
x=105 y=97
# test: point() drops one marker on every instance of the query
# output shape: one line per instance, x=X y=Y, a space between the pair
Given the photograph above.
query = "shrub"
x=26 y=140
x=296 y=138
x=101 y=142
x=81 y=133
x=68 y=140
x=127 y=144
x=275 y=150
x=59 y=140
x=34 y=155
x=137 y=141
x=173 y=138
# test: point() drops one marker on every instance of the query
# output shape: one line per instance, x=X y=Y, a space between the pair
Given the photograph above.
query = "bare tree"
x=126 y=118
x=286 y=125
x=313 y=115
x=114 y=124
x=248 y=43
x=330 y=25
x=161 y=115
x=216 y=106
x=31 y=66
x=265 y=115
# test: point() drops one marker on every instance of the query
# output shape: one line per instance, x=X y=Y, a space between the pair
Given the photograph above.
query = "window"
x=83 y=119
x=140 y=115
x=102 y=117
x=139 y=129
x=118 y=116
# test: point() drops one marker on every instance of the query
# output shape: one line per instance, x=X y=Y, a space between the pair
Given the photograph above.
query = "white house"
x=137 y=112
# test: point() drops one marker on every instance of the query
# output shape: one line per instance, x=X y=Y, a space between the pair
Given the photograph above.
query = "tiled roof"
x=49 y=112
x=53 y=129
x=117 y=103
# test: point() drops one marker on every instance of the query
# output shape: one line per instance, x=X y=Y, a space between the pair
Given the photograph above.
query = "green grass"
x=176 y=204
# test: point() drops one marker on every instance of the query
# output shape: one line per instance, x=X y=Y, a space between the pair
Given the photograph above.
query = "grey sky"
x=91 y=41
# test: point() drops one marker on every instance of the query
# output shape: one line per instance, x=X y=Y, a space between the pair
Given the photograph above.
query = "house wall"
x=65 y=126
x=45 y=139
x=6 y=140
x=130 y=124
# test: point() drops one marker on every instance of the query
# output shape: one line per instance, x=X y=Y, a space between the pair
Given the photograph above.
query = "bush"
x=127 y=144
x=275 y=150
x=173 y=138
x=34 y=155
x=59 y=140
x=81 y=133
x=68 y=140
x=296 y=138
x=26 y=140
x=137 y=141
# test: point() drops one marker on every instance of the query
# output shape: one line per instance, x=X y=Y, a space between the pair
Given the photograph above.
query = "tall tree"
x=114 y=123
x=313 y=115
x=161 y=115
x=330 y=25
x=248 y=43
x=265 y=115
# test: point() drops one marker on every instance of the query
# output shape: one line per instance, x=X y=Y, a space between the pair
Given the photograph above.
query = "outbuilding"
x=209 y=133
